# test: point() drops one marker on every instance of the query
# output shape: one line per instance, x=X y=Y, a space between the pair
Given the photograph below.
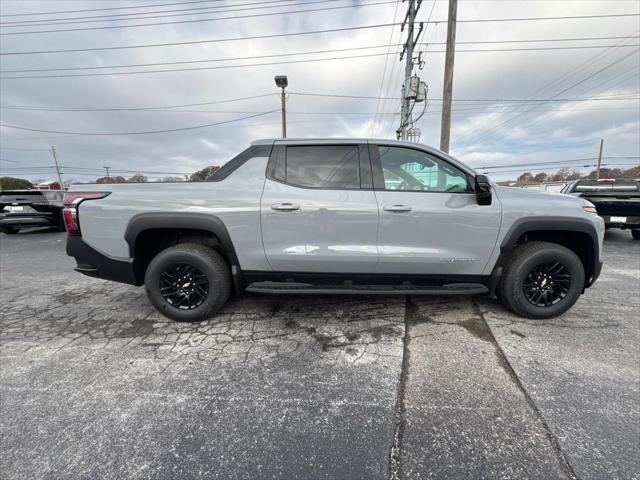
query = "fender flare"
x=532 y=224
x=560 y=224
x=175 y=221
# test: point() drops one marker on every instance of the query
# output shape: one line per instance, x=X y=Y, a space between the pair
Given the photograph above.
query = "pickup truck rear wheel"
x=635 y=234
x=541 y=280
x=188 y=282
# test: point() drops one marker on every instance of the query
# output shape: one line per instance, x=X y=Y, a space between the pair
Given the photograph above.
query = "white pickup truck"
x=337 y=216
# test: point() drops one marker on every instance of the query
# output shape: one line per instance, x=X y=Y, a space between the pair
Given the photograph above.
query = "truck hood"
x=539 y=197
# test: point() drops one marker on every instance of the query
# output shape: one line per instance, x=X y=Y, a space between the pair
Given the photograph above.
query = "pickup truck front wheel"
x=541 y=280
x=635 y=234
x=188 y=282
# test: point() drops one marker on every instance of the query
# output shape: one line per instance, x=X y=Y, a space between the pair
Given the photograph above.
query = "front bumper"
x=95 y=264
x=597 y=269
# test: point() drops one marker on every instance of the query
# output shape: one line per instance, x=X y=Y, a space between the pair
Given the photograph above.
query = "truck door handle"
x=285 y=207
x=396 y=208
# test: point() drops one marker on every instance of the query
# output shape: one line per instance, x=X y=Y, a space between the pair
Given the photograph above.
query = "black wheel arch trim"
x=561 y=224
x=188 y=221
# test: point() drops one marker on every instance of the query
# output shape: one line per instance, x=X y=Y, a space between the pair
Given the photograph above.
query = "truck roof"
x=333 y=140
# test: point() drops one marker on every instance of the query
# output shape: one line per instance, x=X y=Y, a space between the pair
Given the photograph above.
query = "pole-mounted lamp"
x=282 y=82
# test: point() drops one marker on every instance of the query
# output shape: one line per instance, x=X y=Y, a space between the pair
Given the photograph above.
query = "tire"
x=635 y=234
x=10 y=230
x=525 y=271
x=197 y=263
x=61 y=225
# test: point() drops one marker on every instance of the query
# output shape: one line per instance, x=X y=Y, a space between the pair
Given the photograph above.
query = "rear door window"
x=325 y=167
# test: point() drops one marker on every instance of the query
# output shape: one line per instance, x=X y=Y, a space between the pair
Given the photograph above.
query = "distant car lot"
x=28 y=208
x=95 y=384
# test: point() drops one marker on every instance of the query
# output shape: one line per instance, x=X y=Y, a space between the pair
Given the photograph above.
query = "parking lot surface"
x=95 y=384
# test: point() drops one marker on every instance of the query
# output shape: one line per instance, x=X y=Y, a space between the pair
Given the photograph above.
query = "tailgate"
x=615 y=203
x=24 y=203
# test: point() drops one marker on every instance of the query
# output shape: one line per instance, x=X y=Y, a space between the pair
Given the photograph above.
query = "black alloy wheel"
x=184 y=286
x=547 y=284
x=541 y=280
x=188 y=282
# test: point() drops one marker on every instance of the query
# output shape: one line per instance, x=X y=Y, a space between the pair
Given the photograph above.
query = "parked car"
x=30 y=208
x=616 y=200
x=333 y=217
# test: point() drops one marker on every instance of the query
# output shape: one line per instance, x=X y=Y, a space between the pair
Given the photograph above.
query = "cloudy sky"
x=510 y=106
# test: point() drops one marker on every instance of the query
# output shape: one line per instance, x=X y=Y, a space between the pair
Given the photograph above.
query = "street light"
x=282 y=82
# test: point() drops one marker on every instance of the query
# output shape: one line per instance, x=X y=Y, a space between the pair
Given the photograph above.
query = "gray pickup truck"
x=337 y=216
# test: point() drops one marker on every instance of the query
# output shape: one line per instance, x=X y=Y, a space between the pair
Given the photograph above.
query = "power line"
x=573 y=160
x=300 y=33
x=522 y=19
x=393 y=66
x=311 y=10
x=183 y=62
x=596 y=72
x=550 y=85
x=108 y=8
x=85 y=109
x=25 y=149
x=194 y=127
x=174 y=13
x=619 y=96
x=193 y=42
x=197 y=20
x=490 y=100
x=386 y=61
x=286 y=62
x=219 y=67
x=537 y=169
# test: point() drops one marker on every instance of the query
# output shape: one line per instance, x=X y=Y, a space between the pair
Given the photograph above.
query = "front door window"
x=407 y=169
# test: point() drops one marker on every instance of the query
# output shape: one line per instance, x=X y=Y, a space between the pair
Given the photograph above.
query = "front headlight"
x=589 y=209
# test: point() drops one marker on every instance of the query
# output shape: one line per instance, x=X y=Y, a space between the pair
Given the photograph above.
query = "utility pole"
x=282 y=82
x=445 y=128
x=413 y=90
x=408 y=69
x=599 y=159
x=108 y=178
x=55 y=161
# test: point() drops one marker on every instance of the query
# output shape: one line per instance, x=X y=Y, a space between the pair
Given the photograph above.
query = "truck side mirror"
x=483 y=190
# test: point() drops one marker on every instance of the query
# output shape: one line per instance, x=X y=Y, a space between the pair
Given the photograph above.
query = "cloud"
x=482 y=133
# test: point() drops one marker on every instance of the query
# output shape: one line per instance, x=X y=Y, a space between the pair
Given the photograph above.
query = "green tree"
x=201 y=175
x=12 y=183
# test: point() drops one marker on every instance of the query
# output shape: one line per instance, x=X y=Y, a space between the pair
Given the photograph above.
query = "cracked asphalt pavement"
x=95 y=384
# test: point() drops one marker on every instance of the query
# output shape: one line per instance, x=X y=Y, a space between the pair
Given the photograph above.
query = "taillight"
x=70 y=211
